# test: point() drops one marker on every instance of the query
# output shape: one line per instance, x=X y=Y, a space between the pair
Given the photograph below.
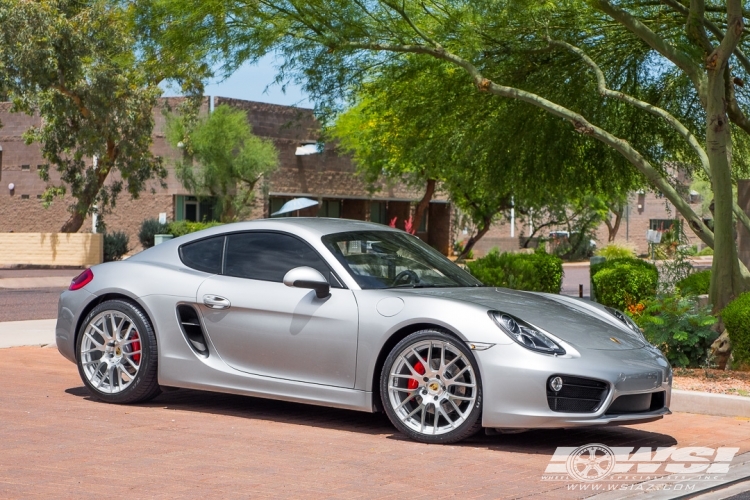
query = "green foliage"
x=537 y=272
x=183 y=227
x=736 y=317
x=651 y=55
x=620 y=283
x=76 y=65
x=231 y=159
x=679 y=327
x=706 y=251
x=695 y=284
x=149 y=228
x=615 y=251
x=115 y=245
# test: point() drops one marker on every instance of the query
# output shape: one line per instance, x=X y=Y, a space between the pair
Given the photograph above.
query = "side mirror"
x=307 y=277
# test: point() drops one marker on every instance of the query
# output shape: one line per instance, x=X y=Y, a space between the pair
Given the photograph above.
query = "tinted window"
x=204 y=255
x=391 y=259
x=269 y=256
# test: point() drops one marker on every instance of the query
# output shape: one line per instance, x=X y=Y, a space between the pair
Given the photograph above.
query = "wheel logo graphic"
x=591 y=462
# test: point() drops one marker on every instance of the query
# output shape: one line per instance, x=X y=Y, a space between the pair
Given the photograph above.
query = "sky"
x=254 y=83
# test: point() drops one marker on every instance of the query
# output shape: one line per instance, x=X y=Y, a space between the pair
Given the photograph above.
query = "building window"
x=423 y=222
x=378 y=212
x=24 y=196
x=39 y=197
x=193 y=209
x=25 y=167
x=42 y=166
x=330 y=208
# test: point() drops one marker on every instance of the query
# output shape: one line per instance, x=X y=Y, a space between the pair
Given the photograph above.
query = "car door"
x=261 y=326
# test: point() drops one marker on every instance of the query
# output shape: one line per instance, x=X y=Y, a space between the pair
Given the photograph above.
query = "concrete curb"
x=707 y=403
x=739 y=472
x=25 y=333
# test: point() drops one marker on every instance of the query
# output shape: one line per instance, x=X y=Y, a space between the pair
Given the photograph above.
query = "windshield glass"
x=387 y=259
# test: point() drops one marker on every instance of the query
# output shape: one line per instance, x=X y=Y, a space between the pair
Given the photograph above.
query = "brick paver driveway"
x=56 y=442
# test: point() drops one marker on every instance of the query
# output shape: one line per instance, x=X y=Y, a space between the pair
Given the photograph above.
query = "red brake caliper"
x=136 y=346
x=413 y=383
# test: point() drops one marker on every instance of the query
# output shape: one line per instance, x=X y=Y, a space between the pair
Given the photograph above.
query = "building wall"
x=328 y=175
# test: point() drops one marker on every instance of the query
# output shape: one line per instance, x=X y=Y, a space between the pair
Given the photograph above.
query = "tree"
x=335 y=45
x=421 y=120
x=232 y=160
x=76 y=64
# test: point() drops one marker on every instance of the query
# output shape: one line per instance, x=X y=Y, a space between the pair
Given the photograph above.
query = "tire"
x=449 y=387
x=117 y=355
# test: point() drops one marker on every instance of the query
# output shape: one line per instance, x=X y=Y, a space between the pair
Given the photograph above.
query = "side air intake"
x=192 y=329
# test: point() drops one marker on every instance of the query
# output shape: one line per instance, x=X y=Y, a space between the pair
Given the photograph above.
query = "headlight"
x=525 y=334
x=627 y=321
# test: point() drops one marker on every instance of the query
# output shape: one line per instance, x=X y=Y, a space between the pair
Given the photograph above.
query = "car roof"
x=319 y=225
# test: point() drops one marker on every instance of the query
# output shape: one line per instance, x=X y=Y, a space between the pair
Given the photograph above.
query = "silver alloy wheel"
x=111 y=352
x=432 y=387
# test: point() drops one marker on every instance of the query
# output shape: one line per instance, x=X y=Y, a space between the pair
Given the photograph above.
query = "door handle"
x=216 y=302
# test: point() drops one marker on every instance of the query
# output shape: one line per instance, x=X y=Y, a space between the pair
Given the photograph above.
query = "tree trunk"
x=612 y=228
x=90 y=191
x=726 y=280
x=74 y=223
x=423 y=204
x=486 y=224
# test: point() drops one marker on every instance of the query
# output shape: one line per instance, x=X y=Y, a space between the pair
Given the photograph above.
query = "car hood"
x=575 y=321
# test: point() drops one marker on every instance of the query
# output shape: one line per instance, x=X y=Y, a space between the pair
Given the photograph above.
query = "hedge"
x=736 y=318
x=623 y=282
x=115 y=245
x=537 y=272
x=149 y=228
x=695 y=284
x=184 y=227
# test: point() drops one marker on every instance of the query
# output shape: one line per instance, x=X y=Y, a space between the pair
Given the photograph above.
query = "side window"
x=204 y=255
x=269 y=256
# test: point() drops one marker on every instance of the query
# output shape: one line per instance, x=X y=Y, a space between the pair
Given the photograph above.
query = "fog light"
x=556 y=384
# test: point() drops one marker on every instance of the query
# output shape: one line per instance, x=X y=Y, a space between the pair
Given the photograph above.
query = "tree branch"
x=580 y=124
x=694 y=25
x=679 y=58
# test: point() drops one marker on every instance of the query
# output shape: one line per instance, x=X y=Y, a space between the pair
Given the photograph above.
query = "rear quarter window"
x=204 y=255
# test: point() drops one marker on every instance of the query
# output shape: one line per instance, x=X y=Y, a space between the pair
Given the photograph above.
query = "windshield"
x=388 y=259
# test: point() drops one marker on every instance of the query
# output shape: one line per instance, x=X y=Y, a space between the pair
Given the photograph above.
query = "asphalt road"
x=31 y=303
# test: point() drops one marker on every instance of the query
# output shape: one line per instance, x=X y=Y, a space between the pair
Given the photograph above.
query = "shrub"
x=695 y=284
x=622 y=282
x=736 y=318
x=149 y=228
x=706 y=251
x=115 y=245
x=184 y=227
x=537 y=272
x=679 y=328
x=613 y=251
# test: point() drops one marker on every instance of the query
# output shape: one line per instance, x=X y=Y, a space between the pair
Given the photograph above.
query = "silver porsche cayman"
x=354 y=315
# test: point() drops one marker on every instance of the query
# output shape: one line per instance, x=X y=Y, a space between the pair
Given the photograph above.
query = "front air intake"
x=190 y=324
x=576 y=395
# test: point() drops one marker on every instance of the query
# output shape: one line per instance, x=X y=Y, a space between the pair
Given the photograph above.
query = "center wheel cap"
x=434 y=387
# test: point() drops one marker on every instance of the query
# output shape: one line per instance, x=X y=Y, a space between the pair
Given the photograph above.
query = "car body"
x=291 y=341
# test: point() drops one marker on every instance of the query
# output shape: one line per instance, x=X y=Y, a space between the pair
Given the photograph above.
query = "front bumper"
x=514 y=382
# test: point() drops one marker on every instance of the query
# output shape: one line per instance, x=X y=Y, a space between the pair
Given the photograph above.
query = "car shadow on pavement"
x=540 y=441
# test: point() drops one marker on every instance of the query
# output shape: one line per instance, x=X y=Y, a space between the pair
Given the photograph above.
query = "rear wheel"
x=117 y=356
x=431 y=388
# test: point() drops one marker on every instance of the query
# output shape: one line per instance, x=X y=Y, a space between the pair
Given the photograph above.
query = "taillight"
x=81 y=280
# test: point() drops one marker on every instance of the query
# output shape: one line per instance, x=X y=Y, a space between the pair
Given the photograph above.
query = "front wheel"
x=431 y=388
x=117 y=353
